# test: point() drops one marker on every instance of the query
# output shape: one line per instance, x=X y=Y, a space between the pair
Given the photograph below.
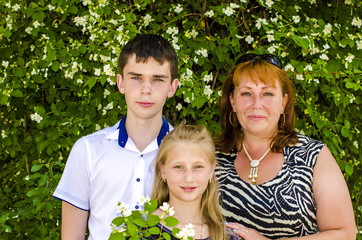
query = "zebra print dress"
x=282 y=207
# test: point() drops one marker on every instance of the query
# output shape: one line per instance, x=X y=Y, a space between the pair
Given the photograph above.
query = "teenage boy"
x=116 y=164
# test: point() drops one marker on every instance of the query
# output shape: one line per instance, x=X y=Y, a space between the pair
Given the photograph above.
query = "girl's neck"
x=187 y=212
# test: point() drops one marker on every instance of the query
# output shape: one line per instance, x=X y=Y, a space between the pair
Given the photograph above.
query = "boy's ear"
x=173 y=87
x=120 y=84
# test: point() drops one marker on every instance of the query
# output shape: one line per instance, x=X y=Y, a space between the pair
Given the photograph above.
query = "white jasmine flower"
x=297 y=8
x=356 y=21
x=327 y=29
x=289 y=67
x=79 y=81
x=326 y=46
x=208 y=77
x=296 y=19
x=187 y=100
x=308 y=68
x=202 y=52
x=80 y=21
x=249 y=39
x=324 y=57
x=259 y=22
x=16 y=7
x=349 y=58
x=270 y=38
x=207 y=91
x=106 y=93
x=36 y=117
x=124 y=209
x=87 y=2
x=97 y=72
x=144 y=200
x=3 y=134
x=359 y=45
x=98 y=127
x=191 y=34
x=172 y=30
x=36 y=24
x=234 y=5
x=50 y=7
x=186 y=232
x=272 y=49
x=269 y=3
x=209 y=13
x=312 y=1
x=348 y=2
x=228 y=11
x=300 y=77
x=5 y=63
x=28 y=30
x=355 y=144
x=179 y=106
x=107 y=70
x=178 y=8
x=147 y=19
x=165 y=206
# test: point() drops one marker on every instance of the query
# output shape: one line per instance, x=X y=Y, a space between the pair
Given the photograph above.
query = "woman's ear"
x=231 y=99
x=285 y=102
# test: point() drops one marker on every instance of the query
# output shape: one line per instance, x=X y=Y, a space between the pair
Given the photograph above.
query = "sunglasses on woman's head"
x=270 y=58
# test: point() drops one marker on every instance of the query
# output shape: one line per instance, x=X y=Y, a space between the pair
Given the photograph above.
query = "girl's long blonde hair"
x=210 y=205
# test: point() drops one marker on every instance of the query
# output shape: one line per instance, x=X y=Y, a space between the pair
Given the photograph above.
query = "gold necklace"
x=254 y=164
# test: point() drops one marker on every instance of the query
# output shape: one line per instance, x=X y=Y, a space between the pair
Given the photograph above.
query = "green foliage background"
x=59 y=61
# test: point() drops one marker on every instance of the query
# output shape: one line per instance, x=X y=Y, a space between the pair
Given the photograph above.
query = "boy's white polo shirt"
x=105 y=168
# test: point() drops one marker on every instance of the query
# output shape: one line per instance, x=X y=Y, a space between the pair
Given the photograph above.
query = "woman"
x=184 y=177
x=275 y=183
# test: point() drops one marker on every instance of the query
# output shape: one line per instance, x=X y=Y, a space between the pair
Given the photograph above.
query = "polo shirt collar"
x=123 y=136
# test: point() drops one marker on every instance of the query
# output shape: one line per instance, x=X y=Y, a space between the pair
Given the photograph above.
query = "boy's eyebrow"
x=156 y=75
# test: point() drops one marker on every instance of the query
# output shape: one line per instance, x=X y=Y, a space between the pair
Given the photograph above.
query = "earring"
x=230 y=120
x=164 y=180
x=209 y=180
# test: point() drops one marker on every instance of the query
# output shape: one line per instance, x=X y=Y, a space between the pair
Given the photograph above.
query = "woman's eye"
x=268 y=94
x=245 y=94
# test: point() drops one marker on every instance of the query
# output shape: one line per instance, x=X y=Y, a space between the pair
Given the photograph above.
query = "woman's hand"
x=244 y=232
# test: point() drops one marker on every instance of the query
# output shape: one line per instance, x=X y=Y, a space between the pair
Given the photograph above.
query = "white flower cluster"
x=202 y=52
x=356 y=21
x=123 y=208
x=186 y=232
x=3 y=134
x=230 y=10
x=36 y=117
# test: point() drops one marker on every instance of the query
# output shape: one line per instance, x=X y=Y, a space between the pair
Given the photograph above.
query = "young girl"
x=184 y=177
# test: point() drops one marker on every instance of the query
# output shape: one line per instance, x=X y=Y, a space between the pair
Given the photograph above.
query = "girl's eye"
x=178 y=167
x=199 y=166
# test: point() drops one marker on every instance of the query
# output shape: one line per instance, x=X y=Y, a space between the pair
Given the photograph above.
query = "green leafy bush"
x=57 y=81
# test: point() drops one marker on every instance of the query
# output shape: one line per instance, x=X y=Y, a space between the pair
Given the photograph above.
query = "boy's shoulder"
x=105 y=133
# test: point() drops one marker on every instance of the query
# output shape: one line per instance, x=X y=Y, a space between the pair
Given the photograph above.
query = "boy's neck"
x=143 y=132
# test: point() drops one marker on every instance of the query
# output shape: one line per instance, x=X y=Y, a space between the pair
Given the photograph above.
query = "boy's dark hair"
x=145 y=46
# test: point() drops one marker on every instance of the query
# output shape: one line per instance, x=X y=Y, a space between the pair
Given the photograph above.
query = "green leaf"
x=348 y=169
x=151 y=206
x=17 y=93
x=36 y=167
x=140 y=222
x=302 y=42
x=154 y=230
x=171 y=221
x=152 y=220
x=116 y=236
x=118 y=221
x=132 y=230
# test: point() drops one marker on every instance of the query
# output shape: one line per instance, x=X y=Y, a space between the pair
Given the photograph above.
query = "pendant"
x=253 y=175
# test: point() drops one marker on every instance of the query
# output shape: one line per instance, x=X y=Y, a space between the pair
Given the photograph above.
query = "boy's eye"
x=158 y=80
x=136 y=78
